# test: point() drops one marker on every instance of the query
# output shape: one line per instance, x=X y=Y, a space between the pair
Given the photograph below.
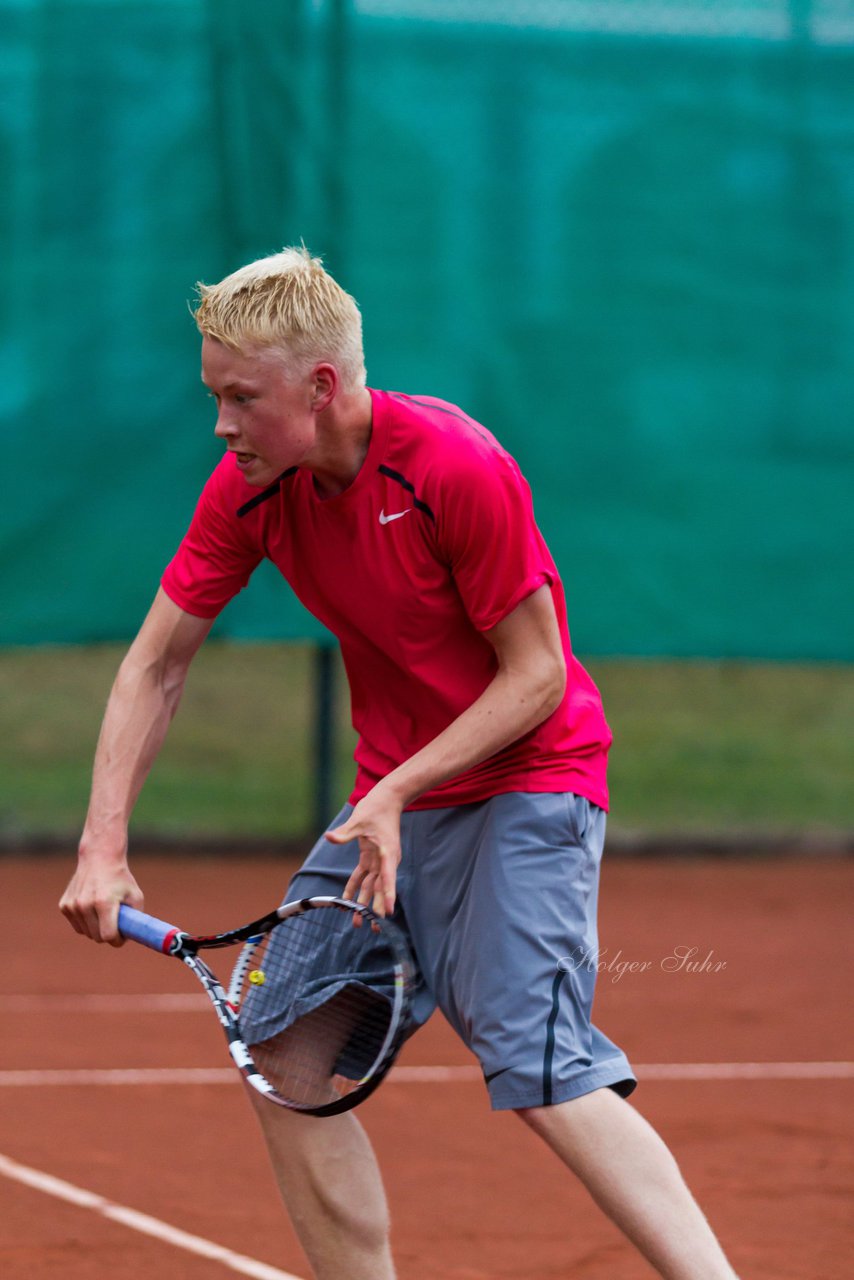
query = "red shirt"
x=433 y=543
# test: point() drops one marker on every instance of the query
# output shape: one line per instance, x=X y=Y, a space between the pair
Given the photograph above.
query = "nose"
x=224 y=429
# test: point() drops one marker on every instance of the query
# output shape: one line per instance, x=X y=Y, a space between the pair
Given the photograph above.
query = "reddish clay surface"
x=473 y=1195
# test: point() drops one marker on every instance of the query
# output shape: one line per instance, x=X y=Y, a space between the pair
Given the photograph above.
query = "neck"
x=341 y=446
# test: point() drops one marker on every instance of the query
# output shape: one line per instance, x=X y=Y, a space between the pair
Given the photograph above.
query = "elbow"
x=155 y=671
x=551 y=688
x=554 y=694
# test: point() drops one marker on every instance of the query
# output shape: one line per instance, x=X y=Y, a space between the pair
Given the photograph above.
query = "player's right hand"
x=93 y=897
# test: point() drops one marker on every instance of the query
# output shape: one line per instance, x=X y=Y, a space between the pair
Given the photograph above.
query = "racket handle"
x=147 y=930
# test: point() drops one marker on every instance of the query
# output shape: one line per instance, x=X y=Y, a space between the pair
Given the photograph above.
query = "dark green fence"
x=620 y=234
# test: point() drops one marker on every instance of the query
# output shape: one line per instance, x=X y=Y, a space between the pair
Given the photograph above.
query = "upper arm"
x=488 y=536
x=220 y=550
x=528 y=641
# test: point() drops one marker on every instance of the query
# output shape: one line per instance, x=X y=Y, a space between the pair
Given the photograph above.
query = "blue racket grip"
x=148 y=930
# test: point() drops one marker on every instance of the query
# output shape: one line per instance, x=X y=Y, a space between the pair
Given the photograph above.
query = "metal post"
x=324 y=735
x=333 y=182
x=334 y=176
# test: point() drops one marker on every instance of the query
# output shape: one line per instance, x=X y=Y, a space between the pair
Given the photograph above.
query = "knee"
x=327 y=1174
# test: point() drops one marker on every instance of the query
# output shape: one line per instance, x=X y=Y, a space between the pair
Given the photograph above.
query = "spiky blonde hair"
x=287 y=303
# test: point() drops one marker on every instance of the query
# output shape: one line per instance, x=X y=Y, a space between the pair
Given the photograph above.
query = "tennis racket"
x=318 y=1001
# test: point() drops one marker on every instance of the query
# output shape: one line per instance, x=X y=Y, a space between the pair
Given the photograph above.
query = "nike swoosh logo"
x=384 y=519
x=493 y=1074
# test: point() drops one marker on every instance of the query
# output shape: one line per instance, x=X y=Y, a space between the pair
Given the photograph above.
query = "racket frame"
x=160 y=936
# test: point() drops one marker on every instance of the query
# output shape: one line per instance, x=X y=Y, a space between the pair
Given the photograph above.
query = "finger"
x=343 y=834
x=371 y=894
x=71 y=916
x=354 y=883
x=99 y=921
x=109 y=925
x=388 y=882
x=368 y=889
x=85 y=924
x=69 y=905
x=380 y=901
x=389 y=892
x=92 y=921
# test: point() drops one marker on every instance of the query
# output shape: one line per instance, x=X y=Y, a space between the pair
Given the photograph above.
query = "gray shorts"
x=499 y=902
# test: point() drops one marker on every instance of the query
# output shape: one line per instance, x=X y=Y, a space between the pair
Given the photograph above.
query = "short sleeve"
x=216 y=557
x=490 y=538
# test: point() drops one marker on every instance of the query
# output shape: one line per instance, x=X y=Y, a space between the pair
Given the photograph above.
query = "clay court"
x=126 y=1146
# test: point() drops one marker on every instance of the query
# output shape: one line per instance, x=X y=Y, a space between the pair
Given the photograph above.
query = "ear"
x=325 y=384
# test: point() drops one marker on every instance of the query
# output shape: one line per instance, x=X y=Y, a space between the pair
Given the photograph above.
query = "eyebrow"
x=232 y=386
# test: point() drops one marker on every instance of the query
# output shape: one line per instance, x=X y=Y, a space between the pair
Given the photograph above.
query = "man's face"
x=264 y=419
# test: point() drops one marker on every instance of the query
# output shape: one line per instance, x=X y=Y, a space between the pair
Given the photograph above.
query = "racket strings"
x=316 y=1003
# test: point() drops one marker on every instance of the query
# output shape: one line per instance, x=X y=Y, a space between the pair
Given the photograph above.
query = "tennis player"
x=478 y=811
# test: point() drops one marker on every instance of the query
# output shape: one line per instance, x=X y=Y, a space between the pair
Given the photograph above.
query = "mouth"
x=243 y=460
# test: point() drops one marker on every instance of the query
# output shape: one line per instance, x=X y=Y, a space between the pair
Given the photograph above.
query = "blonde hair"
x=287 y=303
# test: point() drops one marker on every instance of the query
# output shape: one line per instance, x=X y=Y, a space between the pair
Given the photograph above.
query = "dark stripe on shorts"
x=409 y=487
x=270 y=492
x=550 y=1039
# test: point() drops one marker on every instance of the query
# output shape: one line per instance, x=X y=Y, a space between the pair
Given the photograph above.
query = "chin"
x=257 y=474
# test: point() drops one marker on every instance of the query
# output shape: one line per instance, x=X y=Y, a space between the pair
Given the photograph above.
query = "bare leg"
x=633 y=1177
x=331 y=1186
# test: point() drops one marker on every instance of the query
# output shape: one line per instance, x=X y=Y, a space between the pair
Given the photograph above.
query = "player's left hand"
x=375 y=823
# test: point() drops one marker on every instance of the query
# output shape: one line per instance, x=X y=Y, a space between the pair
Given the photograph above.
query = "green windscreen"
x=620 y=234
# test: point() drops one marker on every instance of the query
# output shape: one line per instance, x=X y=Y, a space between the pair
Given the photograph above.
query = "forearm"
x=527 y=687
x=142 y=703
x=513 y=704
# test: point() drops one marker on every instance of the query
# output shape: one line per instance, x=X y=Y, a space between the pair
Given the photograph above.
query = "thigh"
x=325 y=873
x=507 y=895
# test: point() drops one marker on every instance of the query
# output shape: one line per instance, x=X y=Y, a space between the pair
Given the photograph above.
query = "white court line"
x=163 y=1002
x=746 y=1071
x=77 y=1077
x=141 y=1222
x=118 y=1076
x=657 y=1071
